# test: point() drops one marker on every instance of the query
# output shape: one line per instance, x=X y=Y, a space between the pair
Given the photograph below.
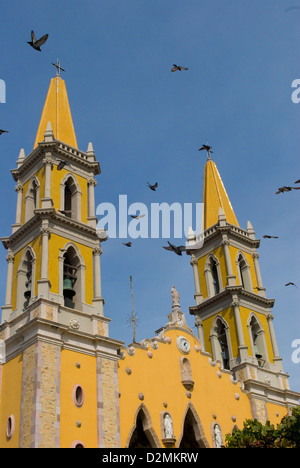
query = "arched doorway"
x=192 y=433
x=142 y=434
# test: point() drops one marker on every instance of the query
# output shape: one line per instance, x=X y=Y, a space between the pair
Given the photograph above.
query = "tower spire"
x=215 y=197
x=57 y=111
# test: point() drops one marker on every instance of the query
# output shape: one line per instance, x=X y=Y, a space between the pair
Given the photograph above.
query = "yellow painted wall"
x=158 y=379
x=10 y=400
x=70 y=414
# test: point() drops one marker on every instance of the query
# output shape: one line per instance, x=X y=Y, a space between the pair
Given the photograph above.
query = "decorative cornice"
x=228 y=292
x=225 y=233
x=56 y=218
x=71 y=154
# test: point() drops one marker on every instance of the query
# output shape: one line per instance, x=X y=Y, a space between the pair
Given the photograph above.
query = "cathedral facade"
x=64 y=382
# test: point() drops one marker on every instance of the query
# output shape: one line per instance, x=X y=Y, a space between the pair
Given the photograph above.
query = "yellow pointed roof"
x=57 y=111
x=215 y=197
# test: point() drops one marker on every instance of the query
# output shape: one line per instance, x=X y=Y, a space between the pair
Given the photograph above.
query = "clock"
x=183 y=344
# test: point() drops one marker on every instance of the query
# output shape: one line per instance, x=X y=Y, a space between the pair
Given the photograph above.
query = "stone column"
x=277 y=358
x=243 y=349
x=92 y=219
x=199 y=325
x=7 y=309
x=44 y=283
x=231 y=280
x=261 y=290
x=98 y=300
x=19 y=190
x=198 y=296
x=47 y=200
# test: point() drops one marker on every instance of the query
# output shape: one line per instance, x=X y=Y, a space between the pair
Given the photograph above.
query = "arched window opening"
x=69 y=279
x=215 y=278
x=212 y=276
x=70 y=198
x=257 y=335
x=25 y=280
x=223 y=344
x=31 y=199
x=244 y=273
x=28 y=282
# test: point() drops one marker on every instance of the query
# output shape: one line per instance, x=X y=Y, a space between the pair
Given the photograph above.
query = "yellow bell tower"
x=58 y=366
x=233 y=315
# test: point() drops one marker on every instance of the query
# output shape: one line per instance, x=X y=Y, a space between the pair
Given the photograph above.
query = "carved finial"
x=175 y=297
x=21 y=157
x=49 y=135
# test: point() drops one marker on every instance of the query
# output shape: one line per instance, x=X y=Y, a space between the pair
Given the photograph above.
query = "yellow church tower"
x=233 y=314
x=58 y=385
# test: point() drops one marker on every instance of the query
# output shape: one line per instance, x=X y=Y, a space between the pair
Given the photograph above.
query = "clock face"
x=183 y=345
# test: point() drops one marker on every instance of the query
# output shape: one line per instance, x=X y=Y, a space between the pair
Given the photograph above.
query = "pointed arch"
x=71 y=269
x=26 y=278
x=213 y=276
x=192 y=432
x=32 y=198
x=220 y=342
x=257 y=339
x=142 y=434
x=243 y=269
x=70 y=197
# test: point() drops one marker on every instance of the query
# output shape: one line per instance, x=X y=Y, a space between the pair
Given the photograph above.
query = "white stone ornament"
x=74 y=324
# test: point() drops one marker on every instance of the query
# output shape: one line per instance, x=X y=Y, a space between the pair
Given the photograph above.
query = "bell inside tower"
x=28 y=280
x=69 y=280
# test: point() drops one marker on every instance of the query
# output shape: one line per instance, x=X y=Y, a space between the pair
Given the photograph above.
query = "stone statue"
x=218 y=436
x=168 y=426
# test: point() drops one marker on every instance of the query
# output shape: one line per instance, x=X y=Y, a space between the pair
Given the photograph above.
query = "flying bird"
x=128 y=244
x=153 y=187
x=3 y=131
x=297 y=181
x=269 y=237
x=62 y=164
x=292 y=284
x=137 y=216
x=36 y=44
x=175 y=249
x=294 y=7
x=177 y=67
x=286 y=189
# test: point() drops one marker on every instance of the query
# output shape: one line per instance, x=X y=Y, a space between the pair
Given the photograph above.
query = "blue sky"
x=147 y=123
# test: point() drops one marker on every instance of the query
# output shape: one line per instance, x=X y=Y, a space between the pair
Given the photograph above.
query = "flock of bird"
x=36 y=45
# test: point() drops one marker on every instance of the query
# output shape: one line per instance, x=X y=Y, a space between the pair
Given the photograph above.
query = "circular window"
x=77 y=444
x=10 y=426
x=78 y=395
